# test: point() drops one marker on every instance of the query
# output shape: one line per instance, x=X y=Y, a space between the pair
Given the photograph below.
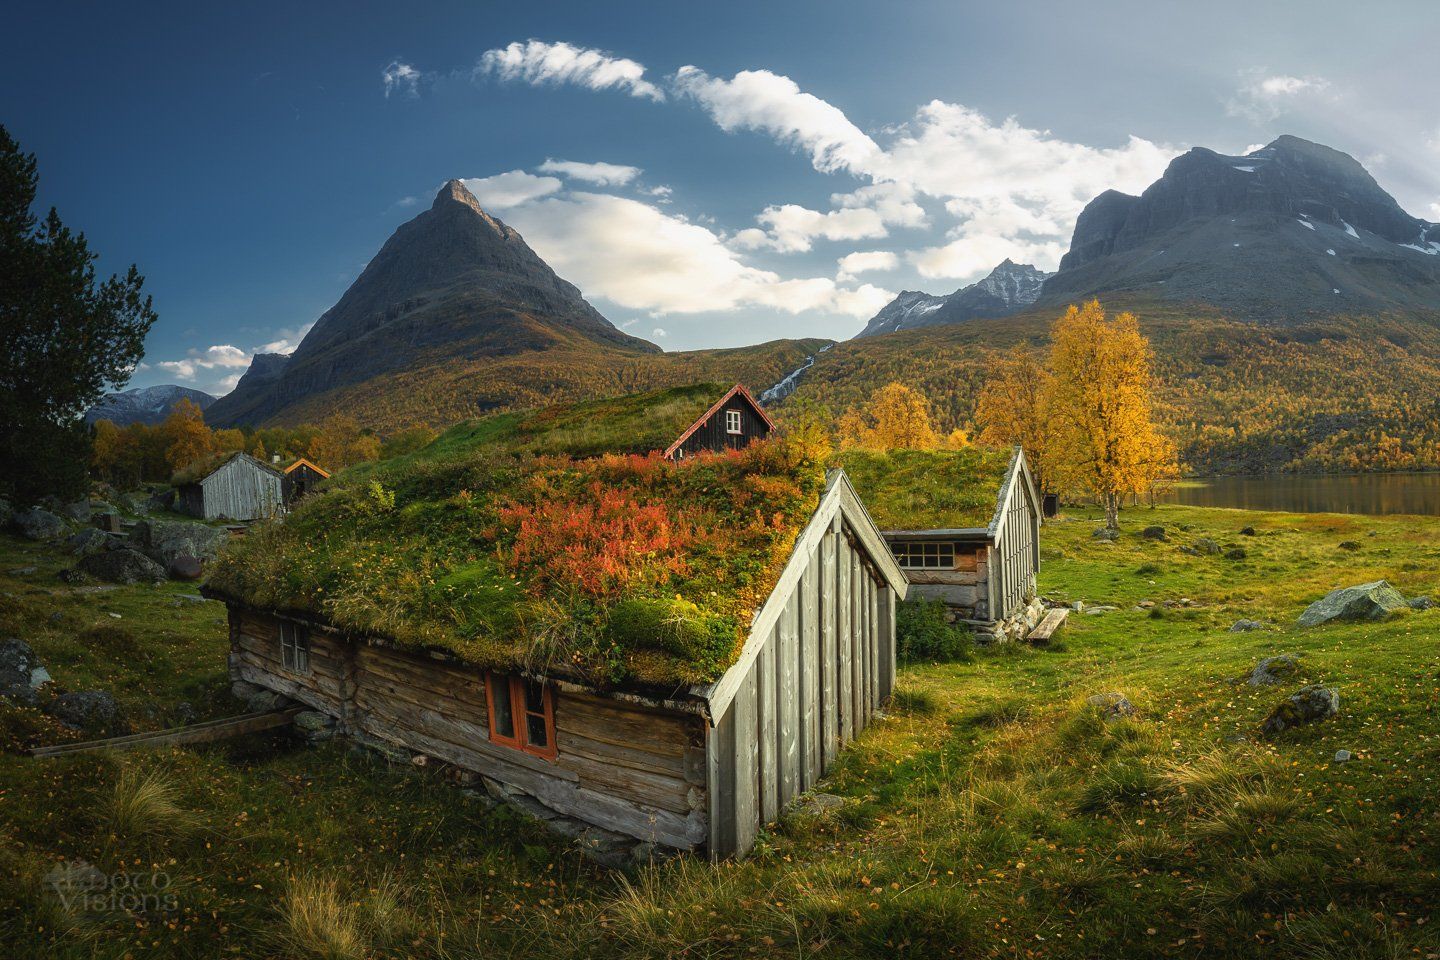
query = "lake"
x=1372 y=493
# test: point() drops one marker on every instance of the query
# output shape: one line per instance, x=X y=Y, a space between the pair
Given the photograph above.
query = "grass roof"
x=928 y=489
x=555 y=541
x=200 y=469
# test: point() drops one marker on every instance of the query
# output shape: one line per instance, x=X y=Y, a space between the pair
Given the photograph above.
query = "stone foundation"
x=1013 y=628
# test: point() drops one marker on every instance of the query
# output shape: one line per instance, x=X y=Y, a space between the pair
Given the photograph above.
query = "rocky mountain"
x=452 y=286
x=1294 y=229
x=148 y=405
x=1009 y=288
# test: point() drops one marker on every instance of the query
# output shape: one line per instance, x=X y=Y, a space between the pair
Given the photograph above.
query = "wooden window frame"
x=513 y=688
x=734 y=422
x=925 y=554
x=295 y=649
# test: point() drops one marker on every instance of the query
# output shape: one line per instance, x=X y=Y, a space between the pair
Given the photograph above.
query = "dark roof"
x=737 y=390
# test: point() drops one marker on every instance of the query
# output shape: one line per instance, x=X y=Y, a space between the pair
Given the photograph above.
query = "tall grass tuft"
x=147 y=803
x=316 y=921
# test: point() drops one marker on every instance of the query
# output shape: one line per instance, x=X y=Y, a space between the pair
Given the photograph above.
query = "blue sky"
x=710 y=175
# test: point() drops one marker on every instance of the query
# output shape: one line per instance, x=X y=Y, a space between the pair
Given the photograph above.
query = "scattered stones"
x=1242 y=626
x=1273 y=670
x=1349 y=545
x=185 y=568
x=184 y=714
x=1247 y=531
x=1368 y=601
x=1189 y=550
x=1420 y=603
x=1078 y=606
x=121 y=566
x=94 y=711
x=37 y=524
x=1310 y=705
x=1112 y=706
x=79 y=511
x=1101 y=608
x=1207 y=546
x=88 y=541
x=165 y=541
x=1343 y=756
x=817 y=803
x=1145 y=604
x=1105 y=534
x=1235 y=553
x=1154 y=533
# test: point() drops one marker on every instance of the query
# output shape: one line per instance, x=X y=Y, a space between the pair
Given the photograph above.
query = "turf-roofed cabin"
x=232 y=486
x=965 y=527
x=649 y=652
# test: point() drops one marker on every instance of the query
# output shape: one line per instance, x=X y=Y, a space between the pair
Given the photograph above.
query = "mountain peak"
x=1007 y=289
x=454 y=191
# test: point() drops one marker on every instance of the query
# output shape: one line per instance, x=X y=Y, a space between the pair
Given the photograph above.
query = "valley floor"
x=992 y=813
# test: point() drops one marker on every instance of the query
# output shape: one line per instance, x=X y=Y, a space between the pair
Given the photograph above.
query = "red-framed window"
x=522 y=714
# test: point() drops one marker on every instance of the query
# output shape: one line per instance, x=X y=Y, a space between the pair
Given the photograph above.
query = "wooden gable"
x=734 y=421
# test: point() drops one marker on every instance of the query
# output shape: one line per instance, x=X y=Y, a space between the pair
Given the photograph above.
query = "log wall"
x=633 y=769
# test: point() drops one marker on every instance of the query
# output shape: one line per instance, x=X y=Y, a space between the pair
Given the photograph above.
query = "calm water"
x=1373 y=493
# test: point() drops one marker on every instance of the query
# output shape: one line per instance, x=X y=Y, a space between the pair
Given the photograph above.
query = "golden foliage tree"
x=1102 y=438
x=896 y=418
x=186 y=437
x=1011 y=408
x=340 y=442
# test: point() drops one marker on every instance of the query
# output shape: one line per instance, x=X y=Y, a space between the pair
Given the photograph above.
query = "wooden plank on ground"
x=194 y=733
x=1046 y=628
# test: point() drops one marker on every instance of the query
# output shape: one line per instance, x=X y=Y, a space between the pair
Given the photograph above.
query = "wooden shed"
x=303 y=477
x=964 y=525
x=683 y=709
x=735 y=420
x=233 y=487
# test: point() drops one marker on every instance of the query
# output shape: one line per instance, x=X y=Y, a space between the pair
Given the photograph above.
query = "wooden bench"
x=1047 y=627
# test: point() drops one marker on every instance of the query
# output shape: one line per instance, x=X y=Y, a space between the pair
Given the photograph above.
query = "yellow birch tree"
x=1011 y=408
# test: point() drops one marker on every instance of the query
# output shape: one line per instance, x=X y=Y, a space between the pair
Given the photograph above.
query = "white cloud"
x=971 y=256
x=286 y=340
x=639 y=257
x=221 y=355
x=657 y=332
x=510 y=189
x=601 y=174
x=773 y=104
x=1262 y=97
x=401 y=79
x=865 y=262
x=537 y=62
x=227 y=363
x=793 y=228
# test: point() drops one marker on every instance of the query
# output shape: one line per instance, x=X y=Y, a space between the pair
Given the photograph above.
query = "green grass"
x=990 y=813
x=928 y=489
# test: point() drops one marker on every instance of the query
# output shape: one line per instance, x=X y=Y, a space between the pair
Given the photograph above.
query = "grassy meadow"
x=990 y=814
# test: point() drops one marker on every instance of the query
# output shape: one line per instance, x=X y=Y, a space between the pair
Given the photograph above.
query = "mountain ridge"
x=147 y=405
x=1009 y=288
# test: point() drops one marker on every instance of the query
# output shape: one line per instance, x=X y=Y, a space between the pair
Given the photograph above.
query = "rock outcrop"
x=1368 y=601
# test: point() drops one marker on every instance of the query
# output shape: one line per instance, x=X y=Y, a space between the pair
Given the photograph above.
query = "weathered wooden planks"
x=1046 y=628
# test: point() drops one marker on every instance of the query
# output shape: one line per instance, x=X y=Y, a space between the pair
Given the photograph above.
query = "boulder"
x=87 y=541
x=1273 y=670
x=166 y=540
x=312 y=726
x=1111 y=706
x=1154 y=533
x=1420 y=603
x=1207 y=546
x=16 y=687
x=1310 y=705
x=160 y=500
x=1343 y=756
x=265 y=701
x=1242 y=626
x=93 y=711
x=121 y=566
x=35 y=523
x=1192 y=551
x=17 y=657
x=79 y=511
x=1247 y=531
x=185 y=568
x=1368 y=601
x=1235 y=553
x=1349 y=545
x=1106 y=534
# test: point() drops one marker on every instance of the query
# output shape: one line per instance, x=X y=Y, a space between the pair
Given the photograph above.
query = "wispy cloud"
x=510 y=189
x=601 y=174
x=865 y=261
x=1262 y=96
x=401 y=79
x=538 y=62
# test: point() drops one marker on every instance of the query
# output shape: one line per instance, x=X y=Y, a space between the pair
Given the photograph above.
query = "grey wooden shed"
x=239 y=487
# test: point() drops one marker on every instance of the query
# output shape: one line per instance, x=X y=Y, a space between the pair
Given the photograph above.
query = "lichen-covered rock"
x=35 y=523
x=1420 y=603
x=122 y=566
x=1273 y=670
x=1207 y=546
x=185 y=568
x=166 y=540
x=1106 y=534
x=79 y=511
x=1243 y=626
x=1111 y=706
x=1349 y=545
x=1235 y=553
x=1247 y=531
x=87 y=541
x=1154 y=533
x=1310 y=705
x=93 y=711
x=1368 y=601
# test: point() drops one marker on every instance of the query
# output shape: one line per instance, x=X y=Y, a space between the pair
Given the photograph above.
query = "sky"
x=709 y=175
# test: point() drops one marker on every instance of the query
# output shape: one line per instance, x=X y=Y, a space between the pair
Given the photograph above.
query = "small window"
x=294 y=647
x=732 y=421
x=924 y=555
x=522 y=714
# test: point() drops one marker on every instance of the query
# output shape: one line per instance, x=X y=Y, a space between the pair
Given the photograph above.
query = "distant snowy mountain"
x=149 y=405
x=1010 y=288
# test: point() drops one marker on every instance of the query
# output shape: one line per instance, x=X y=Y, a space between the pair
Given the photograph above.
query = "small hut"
x=233 y=486
x=646 y=651
x=303 y=476
x=964 y=525
x=734 y=421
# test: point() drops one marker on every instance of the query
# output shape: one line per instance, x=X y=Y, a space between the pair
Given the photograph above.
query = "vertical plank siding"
x=241 y=489
x=827 y=667
x=1015 y=556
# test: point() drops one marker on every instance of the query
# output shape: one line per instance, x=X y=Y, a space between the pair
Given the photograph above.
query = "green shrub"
x=673 y=625
x=921 y=633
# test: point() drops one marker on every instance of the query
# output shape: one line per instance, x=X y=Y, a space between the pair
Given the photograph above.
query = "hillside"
x=453 y=285
x=1337 y=394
